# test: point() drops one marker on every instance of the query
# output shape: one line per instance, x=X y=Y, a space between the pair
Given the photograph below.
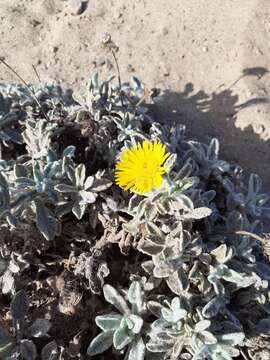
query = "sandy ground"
x=210 y=58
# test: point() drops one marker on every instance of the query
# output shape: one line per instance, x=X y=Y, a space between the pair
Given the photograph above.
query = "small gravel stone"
x=76 y=7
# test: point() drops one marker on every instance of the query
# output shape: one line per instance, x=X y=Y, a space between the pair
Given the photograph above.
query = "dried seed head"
x=106 y=38
x=108 y=43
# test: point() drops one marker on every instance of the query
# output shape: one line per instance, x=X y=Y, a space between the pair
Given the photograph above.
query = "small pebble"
x=130 y=68
x=35 y=22
x=165 y=31
x=76 y=7
x=259 y=128
x=102 y=62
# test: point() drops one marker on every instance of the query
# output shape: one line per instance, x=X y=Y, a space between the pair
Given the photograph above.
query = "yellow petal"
x=140 y=167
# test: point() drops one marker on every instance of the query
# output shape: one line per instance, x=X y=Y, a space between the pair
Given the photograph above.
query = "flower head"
x=140 y=168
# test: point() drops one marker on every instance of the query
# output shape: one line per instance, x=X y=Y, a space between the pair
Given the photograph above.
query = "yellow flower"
x=140 y=168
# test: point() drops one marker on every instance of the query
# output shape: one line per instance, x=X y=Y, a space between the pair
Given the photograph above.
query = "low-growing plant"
x=123 y=329
x=97 y=197
x=19 y=343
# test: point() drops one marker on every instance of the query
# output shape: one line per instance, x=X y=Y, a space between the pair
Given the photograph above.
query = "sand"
x=210 y=58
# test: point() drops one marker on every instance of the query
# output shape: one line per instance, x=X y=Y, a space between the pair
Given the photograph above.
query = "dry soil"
x=210 y=58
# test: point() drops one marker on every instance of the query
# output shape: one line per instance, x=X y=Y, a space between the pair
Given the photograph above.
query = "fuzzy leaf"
x=24 y=182
x=121 y=338
x=37 y=173
x=19 y=305
x=63 y=208
x=254 y=185
x=154 y=307
x=108 y=322
x=153 y=229
x=198 y=213
x=134 y=202
x=7 y=344
x=4 y=188
x=64 y=188
x=28 y=350
x=20 y=171
x=150 y=211
x=79 y=209
x=208 y=337
x=241 y=280
x=137 y=323
x=184 y=172
x=40 y=328
x=69 y=151
x=49 y=351
x=7 y=282
x=184 y=202
x=149 y=247
x=113 y=297
x=101 y=185
x=202 y=325
x=177 y=349
x=212 y=308
x=135 y=295
x=174 y=314
x=213 y=149
x=233 y=339
x=178 y=282
x=158 y=347
x=89 y=182
x=222 y=253
x=137 y=349
x=46 y=223
x=100 y=343
x=188 y=183
x=170 y=162
x=80 y=175
x=87 y=197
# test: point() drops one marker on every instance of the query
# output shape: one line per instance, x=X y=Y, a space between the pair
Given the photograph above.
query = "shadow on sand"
x=214 y=115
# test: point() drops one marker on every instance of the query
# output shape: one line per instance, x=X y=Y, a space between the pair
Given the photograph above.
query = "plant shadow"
x=214 y=115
